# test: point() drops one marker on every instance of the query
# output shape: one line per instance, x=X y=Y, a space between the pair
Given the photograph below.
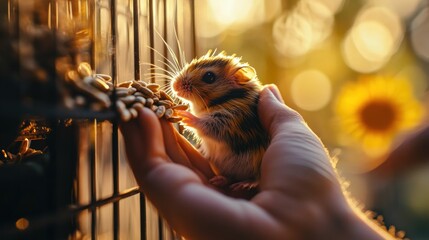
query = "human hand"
x=300 y=195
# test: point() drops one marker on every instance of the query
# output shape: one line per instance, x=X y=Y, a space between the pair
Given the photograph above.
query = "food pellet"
x=132 y=96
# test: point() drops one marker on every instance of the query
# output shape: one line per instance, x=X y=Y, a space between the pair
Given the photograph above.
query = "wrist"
x=349 y=222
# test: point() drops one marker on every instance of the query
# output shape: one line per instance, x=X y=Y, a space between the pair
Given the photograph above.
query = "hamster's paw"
x=188 y=118
x=244 y=185
x=219 y=181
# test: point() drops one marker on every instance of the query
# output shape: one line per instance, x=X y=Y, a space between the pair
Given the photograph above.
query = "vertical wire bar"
x=91 y=12
x=93 y=153
x=93 y=182
x=15 y=13
x=136 y=40
x=93 y=211
x=151 y=36
x=164 y=34
x=165 y=53
x=54 y=171
x=193 y=29
x=151 y=14
x=115 y=128
x=137 y=74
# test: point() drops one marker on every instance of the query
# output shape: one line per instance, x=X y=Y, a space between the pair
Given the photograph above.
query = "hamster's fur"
x=223 y=94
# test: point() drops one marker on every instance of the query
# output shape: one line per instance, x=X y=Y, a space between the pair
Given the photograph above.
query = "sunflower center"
x=378 y=115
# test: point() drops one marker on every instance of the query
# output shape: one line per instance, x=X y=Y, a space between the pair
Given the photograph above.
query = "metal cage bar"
x=115 y=128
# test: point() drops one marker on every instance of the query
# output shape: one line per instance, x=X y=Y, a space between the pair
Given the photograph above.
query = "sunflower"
x=374 y=110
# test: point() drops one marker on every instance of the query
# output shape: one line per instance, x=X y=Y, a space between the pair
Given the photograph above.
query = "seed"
x=180 y=107
x=149 y=102
x=104 y=77
x=174 y=119
x=146 y=91
x=84 y=69
x=133 y=112
x=169 y=113
x=141 y=100
x=138 y=106
x=88 y=79
x=128 y=100
x=154 y=108
x=164 y=96
x=72 y=75
x=153 y=87
x=109 y=84
x=132 y=90
x=126 y=84
x=143 y=83
x=122 y=92
x=25 y=145
x=138 y=94
x=100 y=85
x=165 y=103
x=90 y=91
x=124 y=114
x=160 y=111
x=31 y=152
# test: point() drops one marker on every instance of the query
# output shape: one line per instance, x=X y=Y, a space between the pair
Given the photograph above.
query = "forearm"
x=199 y=212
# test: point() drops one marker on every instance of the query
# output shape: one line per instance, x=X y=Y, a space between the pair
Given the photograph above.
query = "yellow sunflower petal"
x=375 y=109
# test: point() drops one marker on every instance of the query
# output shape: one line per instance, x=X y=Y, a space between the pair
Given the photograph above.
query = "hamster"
x=223 y=95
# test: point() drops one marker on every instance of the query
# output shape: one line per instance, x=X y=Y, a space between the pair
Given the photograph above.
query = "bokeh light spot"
x=311 y=90
x=373 y=39
x=22 y=224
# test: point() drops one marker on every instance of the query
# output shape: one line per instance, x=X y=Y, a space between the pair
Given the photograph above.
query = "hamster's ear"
x=245 y=73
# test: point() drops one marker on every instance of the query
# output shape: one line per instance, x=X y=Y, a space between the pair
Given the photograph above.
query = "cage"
x=63 y=168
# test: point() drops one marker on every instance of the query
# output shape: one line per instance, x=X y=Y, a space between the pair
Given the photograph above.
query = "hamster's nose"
x=182 y=87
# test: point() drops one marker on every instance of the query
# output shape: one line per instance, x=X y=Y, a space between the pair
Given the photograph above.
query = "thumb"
x=144 y=141
x=272 y=110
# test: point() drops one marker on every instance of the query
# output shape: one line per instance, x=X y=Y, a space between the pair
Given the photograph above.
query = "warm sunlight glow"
x=298 y=31
x=403 y=8
x=373 y=39
x=311 y=90
x=214 y=17
x=333 y=5
x=227 y=12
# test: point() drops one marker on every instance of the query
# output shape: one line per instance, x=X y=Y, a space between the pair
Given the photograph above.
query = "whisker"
x=181 y=52
x=169 y=67
x=158 y=67
x=169 y=73
x=166 y=72
x=202 y=99
x=170 y=50
x=171 y=64
x=156 y=77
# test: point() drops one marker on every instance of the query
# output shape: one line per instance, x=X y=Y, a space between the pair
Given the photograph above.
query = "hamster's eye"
x=209 y=77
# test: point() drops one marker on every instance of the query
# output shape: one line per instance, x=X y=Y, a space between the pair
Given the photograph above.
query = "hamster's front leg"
x=214 y=125
x=189 y=119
